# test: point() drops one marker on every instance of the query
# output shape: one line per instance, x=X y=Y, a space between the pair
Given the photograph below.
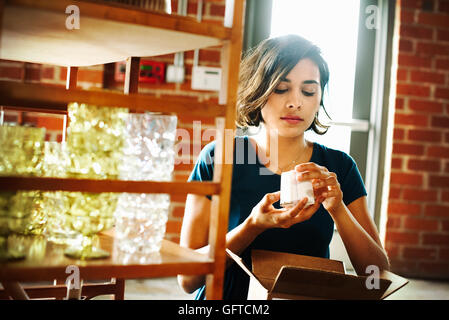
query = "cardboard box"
x=277 y=275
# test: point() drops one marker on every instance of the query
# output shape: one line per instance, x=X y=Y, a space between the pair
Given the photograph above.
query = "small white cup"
x=293 y=191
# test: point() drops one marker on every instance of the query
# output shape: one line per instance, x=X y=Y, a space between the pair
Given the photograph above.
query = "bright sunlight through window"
x=332 y=25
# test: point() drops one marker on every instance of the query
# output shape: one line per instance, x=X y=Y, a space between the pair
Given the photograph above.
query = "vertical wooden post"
x=218 y=224
x=132 y=75
x=2 y=6
x=72 y=76
x=223 y=165
x=131 y=86
x=25 y=71
x=119 y=289
x=108 y=75
x=70 y=84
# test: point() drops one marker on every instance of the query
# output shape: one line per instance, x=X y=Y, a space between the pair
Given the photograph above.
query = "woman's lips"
x=292 y=120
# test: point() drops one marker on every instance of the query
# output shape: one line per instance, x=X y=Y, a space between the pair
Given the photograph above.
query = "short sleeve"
x=204 y=166
x=351 y=181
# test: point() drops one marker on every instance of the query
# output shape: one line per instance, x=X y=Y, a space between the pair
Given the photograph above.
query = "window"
x=333 y=26
x=357 y=40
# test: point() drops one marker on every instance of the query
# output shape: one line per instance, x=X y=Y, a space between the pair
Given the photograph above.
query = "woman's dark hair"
x=262 y=69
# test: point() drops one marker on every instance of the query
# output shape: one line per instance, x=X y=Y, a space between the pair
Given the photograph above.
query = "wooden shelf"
x=35 y=31
x=107 y=33
x=39 y=96
x=92 y=185
x=46 y=261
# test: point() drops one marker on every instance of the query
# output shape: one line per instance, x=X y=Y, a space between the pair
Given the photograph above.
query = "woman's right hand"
x=265 y=216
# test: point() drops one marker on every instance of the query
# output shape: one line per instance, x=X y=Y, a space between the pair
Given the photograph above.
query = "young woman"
x=280 y=91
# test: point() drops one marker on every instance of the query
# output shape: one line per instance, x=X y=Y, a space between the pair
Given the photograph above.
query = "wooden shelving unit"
x=171 y=260
x=34 y=31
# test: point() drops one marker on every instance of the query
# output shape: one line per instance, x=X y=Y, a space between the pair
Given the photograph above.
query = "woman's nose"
x=294 y=100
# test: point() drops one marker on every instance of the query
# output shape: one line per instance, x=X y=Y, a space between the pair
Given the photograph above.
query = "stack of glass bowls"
x=148 y=155
x=20 y=154
x=55 y=203
x=94 y=143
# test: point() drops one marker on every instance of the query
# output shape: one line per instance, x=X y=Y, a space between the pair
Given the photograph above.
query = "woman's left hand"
x=324 y=184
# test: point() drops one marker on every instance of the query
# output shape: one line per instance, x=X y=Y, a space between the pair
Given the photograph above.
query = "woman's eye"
x=308 y=93
x=280 y=91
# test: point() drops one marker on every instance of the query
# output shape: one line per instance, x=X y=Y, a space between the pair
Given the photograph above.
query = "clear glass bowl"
x=148 y=155
x=87 y=215
x=21 y=151
x=19 y=215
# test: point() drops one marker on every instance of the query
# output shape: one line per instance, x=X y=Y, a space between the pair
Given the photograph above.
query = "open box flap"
x=300 y=281
x=397 y=282
x=267 y=264
x=242 y=265
x=316 y=278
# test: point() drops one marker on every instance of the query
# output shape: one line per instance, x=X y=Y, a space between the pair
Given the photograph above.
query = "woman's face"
x=292 y=106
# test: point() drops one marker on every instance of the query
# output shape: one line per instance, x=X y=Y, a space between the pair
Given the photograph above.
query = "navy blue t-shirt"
x=251 y=180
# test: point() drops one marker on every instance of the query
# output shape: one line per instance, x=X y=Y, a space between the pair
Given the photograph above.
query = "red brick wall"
x=417 y=237
x=213 y=11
